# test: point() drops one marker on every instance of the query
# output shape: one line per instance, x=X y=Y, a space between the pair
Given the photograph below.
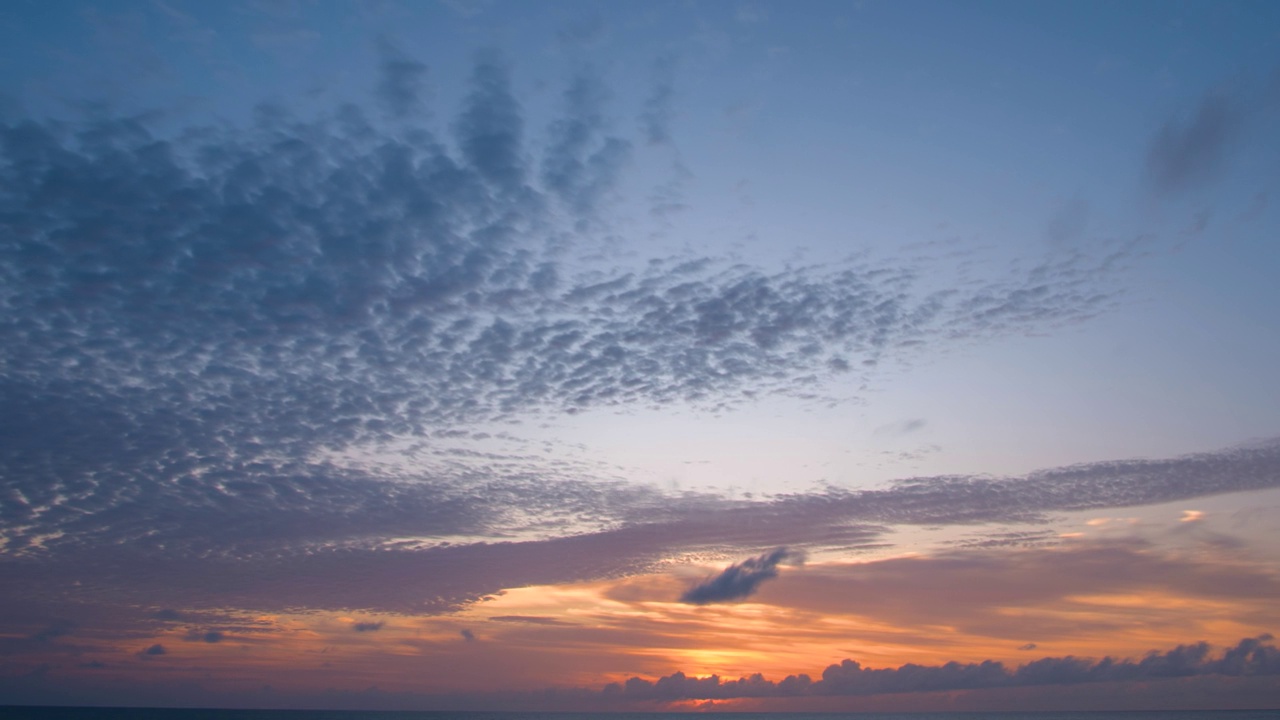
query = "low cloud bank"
x=1250 y=657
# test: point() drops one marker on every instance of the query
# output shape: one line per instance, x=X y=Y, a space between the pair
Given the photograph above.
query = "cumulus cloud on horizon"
x=418 y=355
x=1256 y=656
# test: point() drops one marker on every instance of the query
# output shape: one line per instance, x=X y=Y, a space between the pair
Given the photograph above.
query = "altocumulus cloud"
x=197 y=321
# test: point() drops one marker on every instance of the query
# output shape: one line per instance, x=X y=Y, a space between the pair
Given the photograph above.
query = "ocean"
x=88 y=713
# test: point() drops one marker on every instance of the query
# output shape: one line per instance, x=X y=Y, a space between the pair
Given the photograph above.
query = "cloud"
x=1074 y=592
x=1019 y=538
x=1187 y=153
x=209 y=636
x=55 y=630
x=581 y=163
x=209 y=333
x=214 y=336
x=153 y=650
x=905 y=427
x=19 y=640
x=401 y=82
x=490 y=128
x=529 y=619
x=214 y=559
x=656 y=117
x=740 y=580
x=467 y=635
x=1249 y=657
x=368 y=626
x=196 y=322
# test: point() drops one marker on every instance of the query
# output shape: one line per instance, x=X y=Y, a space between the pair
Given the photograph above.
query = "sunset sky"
x=563 y=355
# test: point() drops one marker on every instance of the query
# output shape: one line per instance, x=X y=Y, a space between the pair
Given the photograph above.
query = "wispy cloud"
x=1197 y=146
x=1188 y=152
x=208 y=636
x=217 y=557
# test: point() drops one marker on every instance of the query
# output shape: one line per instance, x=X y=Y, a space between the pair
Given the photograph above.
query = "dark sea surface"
x=82 y=713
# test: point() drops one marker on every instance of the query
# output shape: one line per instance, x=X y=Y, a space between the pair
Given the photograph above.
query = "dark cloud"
x=1250 y=657
x=207 y=636
x=739 y=580
x=153 y=650
x=55 y=629
x=655 y=119
x=401 y=82
x=1187 y=152
x=467 y=635
x=368 y=626
x=581 y=163
x=47 y=637
x=529 y=619
x=1028 y=646
x=490 y=128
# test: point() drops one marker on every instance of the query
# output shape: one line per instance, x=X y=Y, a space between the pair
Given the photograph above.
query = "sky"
x=640 y=356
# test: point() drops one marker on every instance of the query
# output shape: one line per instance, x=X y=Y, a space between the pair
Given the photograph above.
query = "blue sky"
x=467 y=331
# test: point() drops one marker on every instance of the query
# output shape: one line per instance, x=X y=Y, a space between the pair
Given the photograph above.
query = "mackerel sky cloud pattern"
x=437 y=331
x=208 y=314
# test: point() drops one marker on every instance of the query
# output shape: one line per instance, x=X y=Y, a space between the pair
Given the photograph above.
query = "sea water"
x=82 y=713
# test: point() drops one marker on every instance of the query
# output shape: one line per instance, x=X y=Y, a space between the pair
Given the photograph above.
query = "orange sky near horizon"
x=1091 y=594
